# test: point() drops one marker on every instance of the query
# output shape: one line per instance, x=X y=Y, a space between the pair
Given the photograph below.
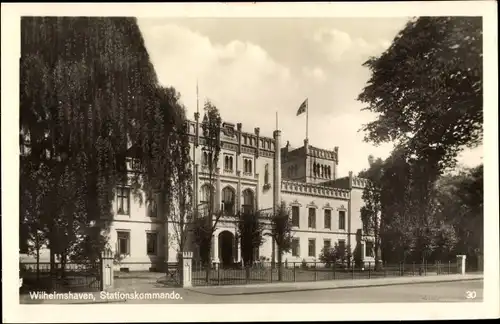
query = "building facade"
x=254 y=172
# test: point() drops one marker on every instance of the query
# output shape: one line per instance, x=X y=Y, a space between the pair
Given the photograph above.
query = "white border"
x=14 y=312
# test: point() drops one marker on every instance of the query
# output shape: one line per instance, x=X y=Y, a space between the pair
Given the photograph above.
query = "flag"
x=302 y=108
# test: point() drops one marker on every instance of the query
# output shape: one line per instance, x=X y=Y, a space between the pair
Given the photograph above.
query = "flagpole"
x=276 y=120
x=197 y=97
x=307 y=119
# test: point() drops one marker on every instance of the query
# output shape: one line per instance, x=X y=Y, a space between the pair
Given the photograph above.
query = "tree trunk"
x=280 y=268
x=37 y=247
x=63 y=264
x=377 y=254
x=52 y=260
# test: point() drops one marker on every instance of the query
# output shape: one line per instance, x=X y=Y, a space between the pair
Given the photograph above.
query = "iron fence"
x=267 y=272
x=60 y=277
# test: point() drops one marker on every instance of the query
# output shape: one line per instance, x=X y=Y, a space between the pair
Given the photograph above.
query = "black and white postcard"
x=328 y=161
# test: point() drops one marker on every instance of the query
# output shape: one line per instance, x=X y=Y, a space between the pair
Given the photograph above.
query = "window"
x=205 y=159
x=327 y=244
x=312 y=247
x=256 y=254
x=247 y=166
x=295 y=247
x=205 y=196
x=123 y=243
x=295 y=216
x=152 y=243
x=328 y=218
x=123 y=197
x=311 y=222
x=247 y=201
x=341 y=245
x=342 y=219
x=228 y=163
x=228 y=201
x=266 y=174
x=152 y=208
x=369 y=249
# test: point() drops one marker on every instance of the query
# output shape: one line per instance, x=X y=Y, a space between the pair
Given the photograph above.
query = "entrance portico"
x=226 y=248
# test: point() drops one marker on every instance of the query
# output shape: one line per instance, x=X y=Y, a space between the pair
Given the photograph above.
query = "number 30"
x=470 y=294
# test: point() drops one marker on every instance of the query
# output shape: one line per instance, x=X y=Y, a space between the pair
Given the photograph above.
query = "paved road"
x=428 y=292
x=455 y=291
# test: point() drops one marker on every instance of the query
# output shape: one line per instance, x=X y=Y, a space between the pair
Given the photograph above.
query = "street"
x=428 y=292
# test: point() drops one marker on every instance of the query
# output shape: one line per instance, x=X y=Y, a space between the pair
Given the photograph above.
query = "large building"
x=254 y=172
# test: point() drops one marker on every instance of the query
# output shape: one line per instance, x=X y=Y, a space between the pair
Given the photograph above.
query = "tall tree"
x=250 y=232
x=371 y=212
x=281 y=233
x=206 y=225
x=85 y=83
x=395 y=225
x=180 y=188
x=459 y=202
x=427 y=89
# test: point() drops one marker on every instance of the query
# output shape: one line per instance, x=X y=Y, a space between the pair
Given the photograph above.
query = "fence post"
x=106 y=273
x=315 y=272
x=460 y=264
x=294 y=272
x=187 y=269
x=352 y=269
x=334 y=270
x=369 y=270
x=247 y=273
x=273 y=265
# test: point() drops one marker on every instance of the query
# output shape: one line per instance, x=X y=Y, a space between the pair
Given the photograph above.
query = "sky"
x=258 y=71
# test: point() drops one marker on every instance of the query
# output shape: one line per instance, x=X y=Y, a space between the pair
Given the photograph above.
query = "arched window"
x=247 y=201
x=205 y=158
x=328 y=172
x=205 y=200
x=247 y=166
x=228 y=200
x=266 y=174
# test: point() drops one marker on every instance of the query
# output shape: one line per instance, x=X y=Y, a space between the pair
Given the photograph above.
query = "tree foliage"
x=250 y=232
x=211 y=146
x=85 y=84
x=427 y=89
x=336 y=254
x=281 y=232
x=372 y=208
x=446 y=221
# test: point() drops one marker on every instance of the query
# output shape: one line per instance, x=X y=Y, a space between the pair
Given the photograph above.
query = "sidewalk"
x=327 y=284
